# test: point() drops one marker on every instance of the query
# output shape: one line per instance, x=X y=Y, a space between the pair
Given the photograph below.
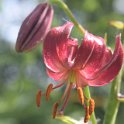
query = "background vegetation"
x=22 y=74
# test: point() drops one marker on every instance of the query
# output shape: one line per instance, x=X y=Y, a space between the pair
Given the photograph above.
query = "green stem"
x=113 y=103
x=87 y=95
x=67 y=120
x=120 y=96
x=62 y=5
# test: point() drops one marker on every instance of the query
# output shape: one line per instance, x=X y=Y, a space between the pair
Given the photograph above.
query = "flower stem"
x=62 y=5
x=67 y=120
x=113 y=103
x=87 y=95
x=120 y=96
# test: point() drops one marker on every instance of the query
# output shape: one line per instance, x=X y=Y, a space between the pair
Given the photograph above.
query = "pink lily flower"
x=35 y=27
x=90 y=64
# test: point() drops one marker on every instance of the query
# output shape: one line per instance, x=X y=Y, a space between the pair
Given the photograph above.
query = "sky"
x=13 y=12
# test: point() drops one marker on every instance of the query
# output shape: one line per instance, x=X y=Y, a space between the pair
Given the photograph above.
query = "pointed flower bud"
x=34 y=27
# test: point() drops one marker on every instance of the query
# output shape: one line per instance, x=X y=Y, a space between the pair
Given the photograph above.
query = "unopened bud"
x=34 y=28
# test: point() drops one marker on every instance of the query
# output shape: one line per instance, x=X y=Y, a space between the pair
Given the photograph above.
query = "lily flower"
x=35 y=27
x=90 y=64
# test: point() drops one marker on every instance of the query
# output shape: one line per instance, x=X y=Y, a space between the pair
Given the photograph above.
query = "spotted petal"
x=66 y=47
x=90 y=53
x=55 y=49
x=58 y=76
x=111 y=69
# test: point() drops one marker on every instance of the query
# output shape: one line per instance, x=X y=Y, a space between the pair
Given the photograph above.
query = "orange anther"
x=87 y=116
x=48 y=91
x=38 y=98
x=86 y=119
x=55 y=107
x=91 y=106
x=81 y=95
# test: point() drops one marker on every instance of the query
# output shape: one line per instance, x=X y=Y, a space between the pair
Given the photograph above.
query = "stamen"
x=58 y=85
x=87 y=116
x=48 y=91
x=67 y=97
x=38 y=98
x=80 y=94
x=65 y=92
x=91 y=106
x=55 y=107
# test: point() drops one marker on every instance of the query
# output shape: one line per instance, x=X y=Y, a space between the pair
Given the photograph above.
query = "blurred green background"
x=22 y=74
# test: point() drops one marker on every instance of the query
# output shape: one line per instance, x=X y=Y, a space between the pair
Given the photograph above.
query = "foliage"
x=21 y=75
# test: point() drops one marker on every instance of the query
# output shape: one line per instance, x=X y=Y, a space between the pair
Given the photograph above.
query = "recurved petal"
x=107 y=57
x=72 y=47
x=86 y=72
x=51 y=58
x=34 y=27
x=57 y=76
x=66 y=47
x=111 y=69
x=90 y=53
x=81 y=81
x=55 y=49
x=67 y=50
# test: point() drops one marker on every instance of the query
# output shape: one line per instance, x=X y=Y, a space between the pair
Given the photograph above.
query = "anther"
x=48 y=91
x=38 y=98
x=81 y=95
x=87 y=116
x=55 y=107
x=91 y=106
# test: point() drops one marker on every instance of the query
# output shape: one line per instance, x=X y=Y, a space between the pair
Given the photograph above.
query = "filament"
x=68 y=90
x=59 y=85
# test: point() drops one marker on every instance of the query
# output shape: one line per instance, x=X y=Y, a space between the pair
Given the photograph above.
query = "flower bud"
x=35 y=27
